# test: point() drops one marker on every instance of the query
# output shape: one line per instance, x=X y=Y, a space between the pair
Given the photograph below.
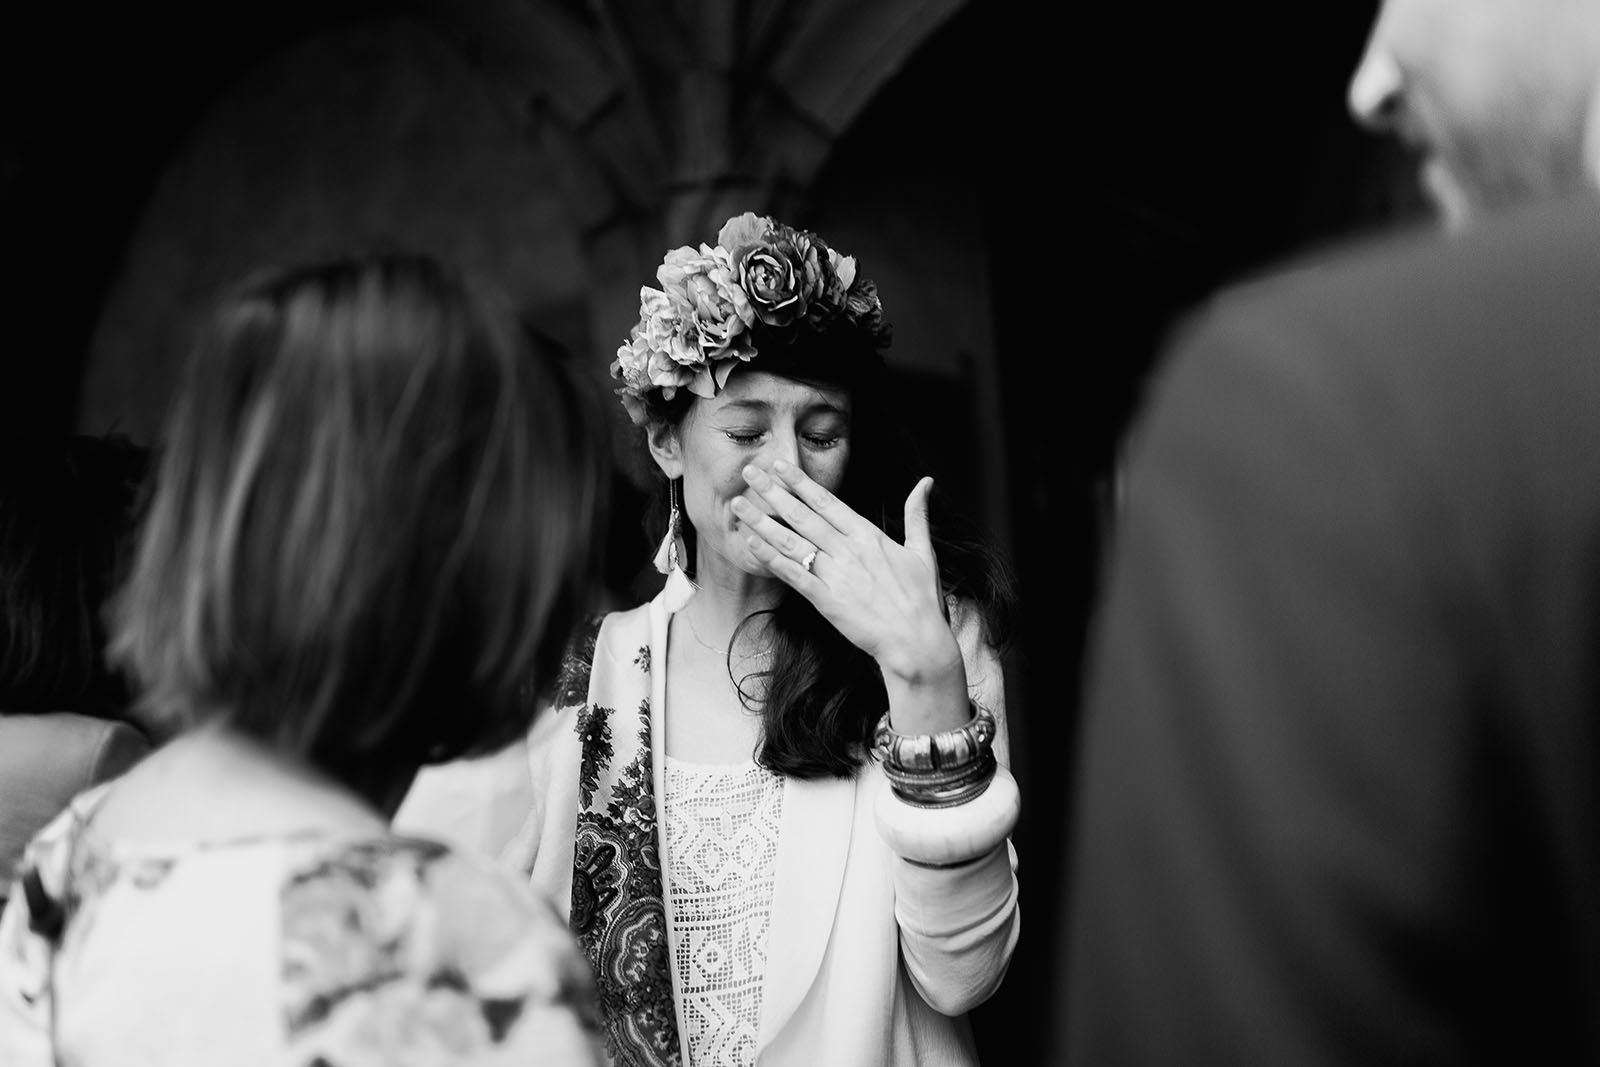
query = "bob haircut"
x=371 y=524
x=822 y=695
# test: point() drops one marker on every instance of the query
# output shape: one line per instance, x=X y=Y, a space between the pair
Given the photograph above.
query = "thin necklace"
x=703 y=643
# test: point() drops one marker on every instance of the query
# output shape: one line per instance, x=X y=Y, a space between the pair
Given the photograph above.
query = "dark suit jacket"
x=45 y=760
x=1338 y=798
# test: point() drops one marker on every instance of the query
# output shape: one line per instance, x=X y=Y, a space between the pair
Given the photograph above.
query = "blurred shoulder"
x=54 y=755
x=1416 y=334
x=72 y=728
x=1528 y=261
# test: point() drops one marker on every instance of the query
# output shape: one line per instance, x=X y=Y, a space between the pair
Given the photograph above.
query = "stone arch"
x=362 y=134
x=762 y=90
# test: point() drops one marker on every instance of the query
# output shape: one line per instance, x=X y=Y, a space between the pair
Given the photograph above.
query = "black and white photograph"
x=799 y=533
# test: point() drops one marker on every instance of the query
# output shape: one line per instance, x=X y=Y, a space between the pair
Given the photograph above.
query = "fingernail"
x=754 y=475
x=782 y=466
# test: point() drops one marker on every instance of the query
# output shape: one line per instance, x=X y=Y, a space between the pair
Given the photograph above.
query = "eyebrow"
x=763 y=406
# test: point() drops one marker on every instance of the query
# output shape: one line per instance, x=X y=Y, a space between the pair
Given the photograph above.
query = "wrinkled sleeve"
x=477 y=805
x=493 y=806
x=959 y=925
x=551 y=766
x=518 y=806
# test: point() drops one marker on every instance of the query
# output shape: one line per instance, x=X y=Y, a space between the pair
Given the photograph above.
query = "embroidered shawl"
x=618 y=911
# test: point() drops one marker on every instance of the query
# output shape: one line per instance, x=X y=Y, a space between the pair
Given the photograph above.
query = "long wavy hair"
x=821 y=697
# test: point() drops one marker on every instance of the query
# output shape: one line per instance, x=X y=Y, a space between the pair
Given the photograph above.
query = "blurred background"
x=1040 y=191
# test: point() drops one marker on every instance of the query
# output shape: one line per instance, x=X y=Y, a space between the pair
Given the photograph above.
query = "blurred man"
x=1339 y=792
x=1339 y=785
x=1500 y=99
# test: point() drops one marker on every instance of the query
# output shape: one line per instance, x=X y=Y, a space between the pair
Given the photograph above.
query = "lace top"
x=722 y=847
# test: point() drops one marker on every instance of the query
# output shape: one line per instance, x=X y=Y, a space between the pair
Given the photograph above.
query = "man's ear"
x=665 y=449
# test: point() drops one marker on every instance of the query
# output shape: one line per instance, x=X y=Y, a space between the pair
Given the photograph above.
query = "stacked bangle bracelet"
x=950 y=837
x=938 y=770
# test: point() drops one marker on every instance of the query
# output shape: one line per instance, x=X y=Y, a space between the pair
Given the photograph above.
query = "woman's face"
x=757 y=418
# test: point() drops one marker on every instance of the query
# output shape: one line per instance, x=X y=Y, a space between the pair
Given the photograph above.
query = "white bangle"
x=950 y=835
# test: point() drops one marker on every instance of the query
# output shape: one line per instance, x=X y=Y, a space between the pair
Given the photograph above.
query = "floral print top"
x=301 y=950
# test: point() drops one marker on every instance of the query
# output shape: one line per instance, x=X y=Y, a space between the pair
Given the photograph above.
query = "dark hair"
x=824 y=696
x=371 y=521
x=66 y=518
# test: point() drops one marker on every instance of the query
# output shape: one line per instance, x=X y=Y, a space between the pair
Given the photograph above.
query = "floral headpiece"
x=762 y=280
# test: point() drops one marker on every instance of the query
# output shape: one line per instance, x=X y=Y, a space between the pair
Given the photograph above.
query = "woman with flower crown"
x=774 y=800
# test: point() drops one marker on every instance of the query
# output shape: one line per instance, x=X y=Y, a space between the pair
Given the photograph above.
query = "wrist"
x=928 y=694
x=924 y=660
x=925 y=708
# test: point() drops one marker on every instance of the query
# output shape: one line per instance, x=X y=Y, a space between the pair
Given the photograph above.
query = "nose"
x=1376 y=88
x=782 y=445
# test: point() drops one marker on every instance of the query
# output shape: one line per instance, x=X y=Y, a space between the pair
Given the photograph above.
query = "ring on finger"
x=809 y=559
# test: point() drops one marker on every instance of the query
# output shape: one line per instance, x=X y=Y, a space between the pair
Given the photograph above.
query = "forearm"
x=958 y=927
x=959 y=921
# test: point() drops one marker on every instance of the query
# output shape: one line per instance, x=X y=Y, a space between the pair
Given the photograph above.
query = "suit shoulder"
x=1521 y=260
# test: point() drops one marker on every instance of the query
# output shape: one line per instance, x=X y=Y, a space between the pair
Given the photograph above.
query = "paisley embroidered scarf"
x=618 y=912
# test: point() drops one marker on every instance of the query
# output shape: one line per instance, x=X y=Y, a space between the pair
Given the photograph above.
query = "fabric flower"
x=772 y=282
x=761 y=279
x=711 y=307
x=662 y=325
x=835 y=273
x=637 y=413
x=781 y=269
x=866 y=310
x=742 y=231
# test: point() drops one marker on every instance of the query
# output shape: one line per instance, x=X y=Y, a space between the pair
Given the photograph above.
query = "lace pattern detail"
x=722 y=847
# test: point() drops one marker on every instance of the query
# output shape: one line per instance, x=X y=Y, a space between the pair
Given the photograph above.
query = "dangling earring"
x=672 y=555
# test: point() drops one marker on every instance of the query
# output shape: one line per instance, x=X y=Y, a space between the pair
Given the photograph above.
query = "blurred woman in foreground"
x=370 y=528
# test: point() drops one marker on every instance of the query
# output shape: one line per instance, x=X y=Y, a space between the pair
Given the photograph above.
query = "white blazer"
x=871 y=960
